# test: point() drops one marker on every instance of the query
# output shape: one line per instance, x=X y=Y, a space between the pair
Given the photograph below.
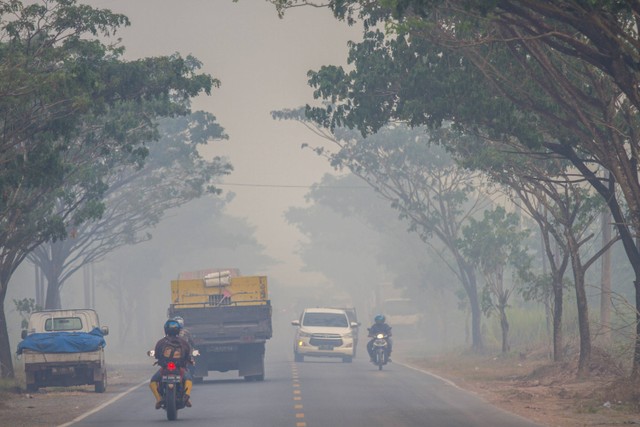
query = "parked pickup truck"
x=64 y=348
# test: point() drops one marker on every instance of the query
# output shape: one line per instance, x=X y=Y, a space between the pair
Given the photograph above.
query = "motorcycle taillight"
x=171 y=366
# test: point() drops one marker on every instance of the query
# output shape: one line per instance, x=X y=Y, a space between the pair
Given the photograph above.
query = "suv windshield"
x=325 y=319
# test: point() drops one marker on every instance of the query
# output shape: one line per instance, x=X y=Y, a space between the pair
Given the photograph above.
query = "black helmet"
x=172 y=328
x=379 y=318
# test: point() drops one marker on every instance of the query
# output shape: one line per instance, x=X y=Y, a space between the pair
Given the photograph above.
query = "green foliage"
x=71 y=111
x=25 y=307
x=137 y=197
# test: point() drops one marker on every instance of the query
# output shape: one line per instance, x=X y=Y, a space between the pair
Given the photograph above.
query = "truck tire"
x=198 y=380
x=298 y=357
x=32 y=388
x=347 y=359
x=101 y=386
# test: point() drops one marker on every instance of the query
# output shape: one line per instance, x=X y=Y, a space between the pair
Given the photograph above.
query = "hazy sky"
x=262 y=62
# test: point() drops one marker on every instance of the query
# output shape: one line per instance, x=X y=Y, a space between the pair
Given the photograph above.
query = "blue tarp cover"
x=63 y=342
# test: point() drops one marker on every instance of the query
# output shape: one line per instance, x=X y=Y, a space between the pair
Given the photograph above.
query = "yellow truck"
x=228 y=317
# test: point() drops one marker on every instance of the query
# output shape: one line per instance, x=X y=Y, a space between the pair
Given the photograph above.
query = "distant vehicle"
x=353 y=318
x=402 y=313
x=324 y=332
x=380 y=350
x=64 y=348
x=229 y=318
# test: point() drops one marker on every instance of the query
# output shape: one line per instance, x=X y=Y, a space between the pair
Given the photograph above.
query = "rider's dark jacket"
x=378 y=328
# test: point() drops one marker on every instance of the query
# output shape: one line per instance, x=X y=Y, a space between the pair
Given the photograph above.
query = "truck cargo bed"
x=31 y=357
x=227 y=324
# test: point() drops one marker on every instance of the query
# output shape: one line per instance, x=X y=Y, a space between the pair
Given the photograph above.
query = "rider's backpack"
x=171 y=351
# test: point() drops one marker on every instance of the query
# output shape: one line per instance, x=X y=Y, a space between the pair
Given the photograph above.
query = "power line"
x=308 y=187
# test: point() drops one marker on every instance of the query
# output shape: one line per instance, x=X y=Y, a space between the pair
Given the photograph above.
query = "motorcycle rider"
x=186 y=335
x=172 y=347
x=379 y=327
x=184 y=332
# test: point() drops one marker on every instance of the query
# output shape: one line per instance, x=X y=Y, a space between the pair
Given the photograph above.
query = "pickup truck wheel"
x=101 y=386
x=347 y=359
x=298 y=357
x=198 y=380
x=32 y=388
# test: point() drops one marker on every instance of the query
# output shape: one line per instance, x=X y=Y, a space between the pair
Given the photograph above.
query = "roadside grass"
x=13 y=385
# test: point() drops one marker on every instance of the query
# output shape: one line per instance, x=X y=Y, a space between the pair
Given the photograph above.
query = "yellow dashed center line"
x=297 y=398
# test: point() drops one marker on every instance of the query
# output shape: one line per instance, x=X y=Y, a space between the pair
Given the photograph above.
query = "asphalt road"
x=314 y=393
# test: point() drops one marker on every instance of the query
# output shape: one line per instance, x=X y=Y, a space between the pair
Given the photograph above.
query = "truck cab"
x=78 y=320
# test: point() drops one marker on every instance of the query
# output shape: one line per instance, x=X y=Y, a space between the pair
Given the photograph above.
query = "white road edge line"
x=94 y=410
x=446 y=381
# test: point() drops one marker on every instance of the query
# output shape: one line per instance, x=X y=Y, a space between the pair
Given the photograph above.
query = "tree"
x=495 y=243
x=553 y=75
x=136 y=199
x=66 y=96
x=545 y=187
x=195 y=236
x=423 y=183
x=356 y=240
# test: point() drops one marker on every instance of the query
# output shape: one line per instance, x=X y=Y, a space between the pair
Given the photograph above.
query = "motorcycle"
x=171 y=386
x=380 y=350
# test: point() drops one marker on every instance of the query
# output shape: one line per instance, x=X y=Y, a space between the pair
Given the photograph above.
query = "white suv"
x=324 y=332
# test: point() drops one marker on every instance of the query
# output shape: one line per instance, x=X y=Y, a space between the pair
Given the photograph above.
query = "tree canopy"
x=71 y=110
x=559 y=76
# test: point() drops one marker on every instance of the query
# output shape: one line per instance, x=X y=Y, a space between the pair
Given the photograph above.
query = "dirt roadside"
x=542 y=391
x=55 y=406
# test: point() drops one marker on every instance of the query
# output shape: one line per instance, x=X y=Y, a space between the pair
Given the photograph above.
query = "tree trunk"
x=583 y=325
x=53 y=295
x=6 y=358
x=605 y=297
x=504 y=325
x=476 y=320
x=558 y=292
x=468 y=278
x=52 y=268
x=635 y=373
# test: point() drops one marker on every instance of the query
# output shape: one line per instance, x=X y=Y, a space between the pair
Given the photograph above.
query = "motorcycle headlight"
x=380 y=336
